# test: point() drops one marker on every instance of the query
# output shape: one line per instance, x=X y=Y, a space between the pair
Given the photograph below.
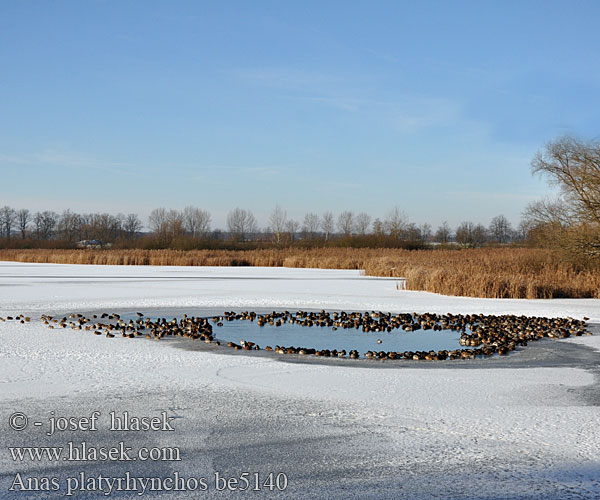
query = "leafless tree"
x=196 y=221
x=102 y=226
x=241 y=223
x=362 y=223
x=23 y=219
x=69 y=225
x=327 y=224
x=443 y=233
x=425 y=230
x=98 y=226
x=548 y=222
x=291 y=226
x=479 y=234
x=572 y=221
x=412 y=232
x=378 y=227
x=277 y=223
x=470 y=235
x=522 y=231
x=500 y=229
x=574 y=166
x=45 y=224
x=175 y=223
x=549 y=211
x=464 y=233
x=131 y=225
x=310 y=225
x=8 y=217
x=346 y=223
x=395 y=222
x=158 y=222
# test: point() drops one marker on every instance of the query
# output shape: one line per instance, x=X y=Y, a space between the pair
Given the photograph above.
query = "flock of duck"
x=481 y=335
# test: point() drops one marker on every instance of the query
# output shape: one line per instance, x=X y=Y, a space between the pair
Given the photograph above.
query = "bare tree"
x=464 y=233
x=470 y=235
x=203 y=219
x=572 y=221
x=548 y=211
x=103 y=226
x=574 y=166
x=362 y=223
x=277 y=223
x=8 y=217
x=425 y=230
x=196 y=221
x=443 y=233
x=291 y=227
x=45 y=224
x=395 y=222
x=327 y=224
x=85 y=229
x=69 y=225
x=378 y=227
x=241 y=223
x=158 y=223
x=549 y=222
x=175 y=223
x=131 y=225
x=310 y=225
x=412 y=232
x=479 y=234
x=23 y=219
x=346 y=223
x=500 y=229
x=522 y=231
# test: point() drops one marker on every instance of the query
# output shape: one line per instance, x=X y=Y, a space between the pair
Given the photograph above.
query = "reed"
x=487 y=272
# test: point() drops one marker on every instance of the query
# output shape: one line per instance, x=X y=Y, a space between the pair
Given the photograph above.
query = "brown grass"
x=490 y=272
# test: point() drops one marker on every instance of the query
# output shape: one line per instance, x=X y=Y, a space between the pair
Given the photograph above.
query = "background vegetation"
x=554 y=252
x=486 y=272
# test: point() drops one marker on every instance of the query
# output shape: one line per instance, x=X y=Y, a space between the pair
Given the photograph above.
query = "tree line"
x=571 y=220
x=194 y=224
x=69 y=226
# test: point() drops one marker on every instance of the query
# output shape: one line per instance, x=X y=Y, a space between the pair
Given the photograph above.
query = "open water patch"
x=411 y=336
x=294 y=335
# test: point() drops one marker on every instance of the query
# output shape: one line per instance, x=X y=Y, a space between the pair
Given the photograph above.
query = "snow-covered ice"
x=338 y=431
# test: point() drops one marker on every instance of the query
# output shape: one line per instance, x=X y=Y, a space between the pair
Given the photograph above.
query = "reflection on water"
x=294 y=334
x=325 y=338
x=416 y=336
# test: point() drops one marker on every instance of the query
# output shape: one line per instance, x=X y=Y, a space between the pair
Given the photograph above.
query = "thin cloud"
x=344 y=104
x=406 y=113
x=288 y=78
x=262 y=170
x=418 y=114
x=489 y=196
x=67 y=159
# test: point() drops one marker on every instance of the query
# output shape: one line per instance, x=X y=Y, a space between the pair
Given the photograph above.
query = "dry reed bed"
x=493 y=273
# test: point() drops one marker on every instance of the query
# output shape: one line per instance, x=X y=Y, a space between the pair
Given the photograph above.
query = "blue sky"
x=434 y=107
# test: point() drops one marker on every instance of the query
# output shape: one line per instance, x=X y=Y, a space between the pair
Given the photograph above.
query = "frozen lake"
x=507 y=427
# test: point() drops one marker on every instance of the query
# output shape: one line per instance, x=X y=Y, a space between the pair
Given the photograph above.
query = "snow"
x=38 y=287
x=337 y=430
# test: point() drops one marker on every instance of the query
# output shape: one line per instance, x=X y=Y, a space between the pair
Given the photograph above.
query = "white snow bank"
x=49 y=287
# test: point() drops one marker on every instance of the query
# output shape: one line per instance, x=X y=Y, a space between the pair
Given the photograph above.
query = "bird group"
x=481 y=335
